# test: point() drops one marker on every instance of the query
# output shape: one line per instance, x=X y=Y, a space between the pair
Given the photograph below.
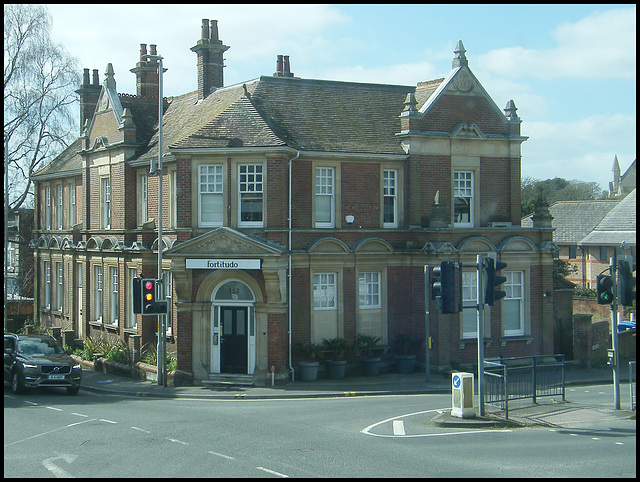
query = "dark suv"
x=39 y=361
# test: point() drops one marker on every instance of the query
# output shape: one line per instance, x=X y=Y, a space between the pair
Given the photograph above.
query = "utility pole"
x=480 y=308
x=161 y=349
x=613 y=265
x=427 y=358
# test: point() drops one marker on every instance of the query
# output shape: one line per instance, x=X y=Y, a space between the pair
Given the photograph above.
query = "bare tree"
x=40 y=79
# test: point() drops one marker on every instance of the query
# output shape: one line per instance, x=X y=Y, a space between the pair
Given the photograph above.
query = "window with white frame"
x=59 y=287
x=210 y=192
x=324 y=291
x=131 y=320
x=143 y=199
x=114 y=301
x=251 y=195
x=59 y=206
x=463 y=198
x=325 y=197
x=47 y=285
x=167 y=286
x=97 y=298
x=72 y=204
x=106 y=203
x=173 y=199
x=513 y=304
x=469 y=297
x=390 y=198
x=369 y=290
x=47 y=207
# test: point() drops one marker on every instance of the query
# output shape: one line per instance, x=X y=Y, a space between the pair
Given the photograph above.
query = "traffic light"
x=148 y=296
x=137 y=295
x=626 y=284
x=443 y=287
x=604 y=289
x=493 y=280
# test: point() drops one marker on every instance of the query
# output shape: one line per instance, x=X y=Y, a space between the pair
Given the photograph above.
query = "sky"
x=570 y=69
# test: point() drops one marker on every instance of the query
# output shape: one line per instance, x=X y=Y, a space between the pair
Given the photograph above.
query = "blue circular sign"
x=456 y=381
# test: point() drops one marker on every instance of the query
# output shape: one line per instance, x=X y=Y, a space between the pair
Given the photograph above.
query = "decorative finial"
x=459 y=60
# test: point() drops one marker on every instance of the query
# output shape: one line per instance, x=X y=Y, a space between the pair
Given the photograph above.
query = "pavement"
x=547 y=411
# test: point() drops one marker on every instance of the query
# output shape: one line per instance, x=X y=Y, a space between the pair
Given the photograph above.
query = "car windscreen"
x=39 y=346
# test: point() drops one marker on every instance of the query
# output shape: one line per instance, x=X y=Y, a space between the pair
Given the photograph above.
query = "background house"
x=294 y=210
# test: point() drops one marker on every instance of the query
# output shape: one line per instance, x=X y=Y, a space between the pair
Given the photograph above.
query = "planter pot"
x=308 y=371
x=371 y=366
x=406 y=363
x=336 y=368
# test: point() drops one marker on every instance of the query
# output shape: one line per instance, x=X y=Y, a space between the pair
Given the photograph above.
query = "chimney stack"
x=89 y=94
x=209 y=50
x=282 y=67
x=147 y=78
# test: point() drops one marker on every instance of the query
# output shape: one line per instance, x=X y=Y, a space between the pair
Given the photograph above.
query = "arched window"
x=233 y=291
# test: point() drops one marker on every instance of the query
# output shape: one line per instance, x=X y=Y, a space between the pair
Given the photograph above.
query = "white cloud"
x=600 y=46
x=583 y=149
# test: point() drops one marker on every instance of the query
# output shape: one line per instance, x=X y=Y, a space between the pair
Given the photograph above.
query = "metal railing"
x=524 y=377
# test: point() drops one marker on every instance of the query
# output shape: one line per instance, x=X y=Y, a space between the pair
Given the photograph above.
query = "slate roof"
x=67 y=162
x=617 y=226
x=593 y=222
x=314 y=115
x=573 y=220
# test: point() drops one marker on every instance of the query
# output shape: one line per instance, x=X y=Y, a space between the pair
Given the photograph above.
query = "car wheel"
x=73 y=390
x=17 y=383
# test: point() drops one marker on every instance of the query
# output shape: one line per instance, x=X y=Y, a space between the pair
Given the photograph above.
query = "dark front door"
x=233 y=347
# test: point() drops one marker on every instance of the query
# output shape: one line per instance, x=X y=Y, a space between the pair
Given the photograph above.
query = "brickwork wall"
x=450 y=110
x=278 y=353
x=301 y=186
x=360 y=193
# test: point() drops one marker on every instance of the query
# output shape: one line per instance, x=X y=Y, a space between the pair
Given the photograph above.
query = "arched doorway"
x=233 y=334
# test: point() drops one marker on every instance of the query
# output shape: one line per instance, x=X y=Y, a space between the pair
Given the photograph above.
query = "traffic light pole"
x=614 y=333
x=427 y=358
x=161 y=357
x=480 y=308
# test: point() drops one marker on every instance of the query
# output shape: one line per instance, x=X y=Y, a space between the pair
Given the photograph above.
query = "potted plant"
x=337 y=365
x=366 y=345
x=406 y=347
x=309 y=367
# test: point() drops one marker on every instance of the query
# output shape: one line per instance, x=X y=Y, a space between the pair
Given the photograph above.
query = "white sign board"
x=218 y=263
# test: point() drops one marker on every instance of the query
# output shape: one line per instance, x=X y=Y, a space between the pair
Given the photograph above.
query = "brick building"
x=294 y=210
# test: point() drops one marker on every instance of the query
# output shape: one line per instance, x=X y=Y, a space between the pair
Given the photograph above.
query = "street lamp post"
x=161 y=356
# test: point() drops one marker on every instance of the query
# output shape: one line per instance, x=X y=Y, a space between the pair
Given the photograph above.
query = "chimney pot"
x=85 y=79
x=96 y=81
x=279 y=66
x=153 y=49
x=214 y=30
x=143 y=52
x=286 y=65
x=205 y=28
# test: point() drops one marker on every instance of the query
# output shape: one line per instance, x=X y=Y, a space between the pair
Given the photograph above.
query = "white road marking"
x=367 y=431
x=228 y=457
x=140 y=429
x=619 y=443
x=176 y=441
x=398 y=427
x=272 y=472
x=54 y=408
x=30 y=403
x=107 y=421
x=80 y=414
x=57 y=471
x=50 y=431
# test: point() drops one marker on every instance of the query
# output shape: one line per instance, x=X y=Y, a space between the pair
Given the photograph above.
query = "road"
x=50 y=434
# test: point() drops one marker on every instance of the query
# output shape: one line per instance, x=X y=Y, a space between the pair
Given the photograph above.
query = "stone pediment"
x=224 y=241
